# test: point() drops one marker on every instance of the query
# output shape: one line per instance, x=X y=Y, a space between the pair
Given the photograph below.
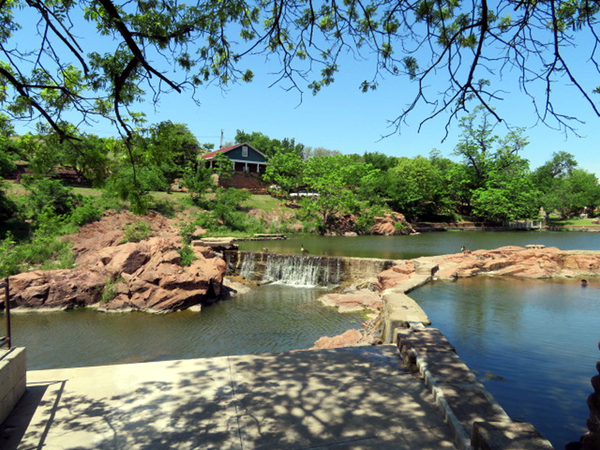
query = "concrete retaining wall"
x=12 y=379
x=477 y=420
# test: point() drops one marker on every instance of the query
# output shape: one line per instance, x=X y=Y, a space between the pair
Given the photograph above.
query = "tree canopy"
x=147 y=48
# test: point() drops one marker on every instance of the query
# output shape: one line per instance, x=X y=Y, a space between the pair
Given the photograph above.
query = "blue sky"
x=342 y=118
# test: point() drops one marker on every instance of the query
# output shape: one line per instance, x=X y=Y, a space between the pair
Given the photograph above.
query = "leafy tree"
x=223 y=166
x=561 y=164
x=86 y=154
x=47 y=196
x=583 y=190
x=564 y=187
x=379 y=160
x=226 y=203
x=571 y=193
x=211 y=41
x=507 y=196
x=309 y=152
x=267 y=145
x=8 y=148
x=491 y=163
x=336 y=180
x=418 y=190
x=197 y=179
x=171 y=146
x=284 y=170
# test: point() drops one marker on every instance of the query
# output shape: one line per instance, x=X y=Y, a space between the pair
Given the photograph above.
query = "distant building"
x=248 y=164
x=245 y=158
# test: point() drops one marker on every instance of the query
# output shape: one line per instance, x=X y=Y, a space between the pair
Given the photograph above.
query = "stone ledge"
x=12 y=374
x=425 y=341
x=507 y=436
x=399 y=311
x=477 y=420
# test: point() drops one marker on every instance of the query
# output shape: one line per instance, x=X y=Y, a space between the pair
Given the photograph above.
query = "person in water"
x=584 y=283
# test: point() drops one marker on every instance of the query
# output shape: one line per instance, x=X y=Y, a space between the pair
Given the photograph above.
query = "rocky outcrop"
x=395 y=275
x=399 y=310
x=115 y=276
x=391 y=224
x=508 y=261
x=520 y=262
x=348 y=338
x=354 y=301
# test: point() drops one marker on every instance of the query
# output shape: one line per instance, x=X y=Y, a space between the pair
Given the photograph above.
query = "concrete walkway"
x=350 y=398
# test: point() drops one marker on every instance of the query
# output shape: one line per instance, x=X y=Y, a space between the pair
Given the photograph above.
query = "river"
x=272 y=318
x=425 y=244
x=532 y=343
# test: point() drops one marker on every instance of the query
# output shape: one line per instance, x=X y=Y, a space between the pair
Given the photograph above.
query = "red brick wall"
x=249 y=181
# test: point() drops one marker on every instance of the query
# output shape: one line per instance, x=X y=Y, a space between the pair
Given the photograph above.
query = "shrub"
x=136 y=232
x=187 y=255
x=87 y=212
x=44 y=252
x=207 y=221
x=48 y=223
x=110 y=289
x=186 y=231
x=45 y=192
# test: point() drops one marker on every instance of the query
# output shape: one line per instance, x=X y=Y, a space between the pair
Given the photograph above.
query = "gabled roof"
x=211 y=155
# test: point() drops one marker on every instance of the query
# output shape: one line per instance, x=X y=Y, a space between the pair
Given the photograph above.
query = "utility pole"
x=221 y=145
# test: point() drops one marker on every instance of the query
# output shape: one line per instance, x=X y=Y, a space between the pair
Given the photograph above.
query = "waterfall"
x=248 y=266
x=300 y=270
x=296 y=270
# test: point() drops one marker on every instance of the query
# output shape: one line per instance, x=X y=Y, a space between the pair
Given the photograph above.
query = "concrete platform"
x=350 y=398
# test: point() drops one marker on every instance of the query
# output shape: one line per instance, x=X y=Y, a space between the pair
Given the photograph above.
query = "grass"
x=264 y=202
x=573 y=222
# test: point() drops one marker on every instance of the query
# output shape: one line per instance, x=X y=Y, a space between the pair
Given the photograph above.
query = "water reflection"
x=533 y=344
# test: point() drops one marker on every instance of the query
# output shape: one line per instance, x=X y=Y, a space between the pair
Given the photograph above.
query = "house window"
x=245 y=151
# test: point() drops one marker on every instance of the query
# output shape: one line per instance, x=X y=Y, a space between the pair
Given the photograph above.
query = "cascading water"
x=300 y=270
x=248 y=266
x=292 y=270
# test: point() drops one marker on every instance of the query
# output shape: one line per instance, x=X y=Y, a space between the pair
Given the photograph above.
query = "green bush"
x=186 y=230
x=45 y=192
x=42 y=252
x=207 y=221
x=49 y=224
x=136 y=232
x=187 y=255
x=110 y=289
x=7 y=207
x=88 y=211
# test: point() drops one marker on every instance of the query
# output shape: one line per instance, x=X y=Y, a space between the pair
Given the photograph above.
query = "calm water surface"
x=532 y=343
x=425 y=244
x=269 y=319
